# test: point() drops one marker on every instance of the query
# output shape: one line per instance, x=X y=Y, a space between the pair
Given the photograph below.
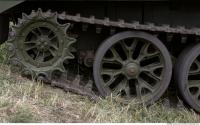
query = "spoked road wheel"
x=40 y=44
x=187 y=76
x=136 y=66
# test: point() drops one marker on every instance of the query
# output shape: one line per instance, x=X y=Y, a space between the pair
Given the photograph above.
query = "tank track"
x=76 y=86
x=86 y=89
x=106 y=22
x=135 y=25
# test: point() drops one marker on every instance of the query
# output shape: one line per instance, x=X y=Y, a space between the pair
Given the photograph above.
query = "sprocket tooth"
x=71 y=41
x=39 y=12
x=60 y=68
x=65 y=27
x=20 y=21
x=25 y=17
x=48 y=13
x=33 y=14
x=11 y=36
x=69 y=55
x=76 y=81
x=16 y=28
x=62 y=15
x=54 y=17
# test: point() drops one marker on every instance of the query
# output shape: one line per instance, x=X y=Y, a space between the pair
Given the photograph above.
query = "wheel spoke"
x=53 y=37
x=38 y=53
x=145 y=84
x=138 y=90
x=112 y=61
x=31 y=47
x=36 y=34
x=111 y=72
x=40 y=30
x=144 y=49
x=54 y=46
x=152 y=67
x=196 y=71
x=112 y=79
x=197 y=94
x=131 y=49
x=154 y=76
x=144 y=53
x=125 y=49
x=31 y=42
x=116 y=55
x=151 y=55
x=108 y=60
x=52 y=52
x=40 y=57
x=127 y=90
x=113 y=75
x=49 y=33
x=194 y=83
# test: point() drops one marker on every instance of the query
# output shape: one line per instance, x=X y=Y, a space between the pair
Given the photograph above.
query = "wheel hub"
x=132 y=70
x=42 y=43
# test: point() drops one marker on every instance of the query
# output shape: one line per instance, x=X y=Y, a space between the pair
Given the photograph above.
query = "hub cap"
x=132 y=70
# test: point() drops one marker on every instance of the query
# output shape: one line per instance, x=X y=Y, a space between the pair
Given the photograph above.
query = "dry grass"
x=22 y=100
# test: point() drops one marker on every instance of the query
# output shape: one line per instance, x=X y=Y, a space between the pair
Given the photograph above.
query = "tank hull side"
x=5 y=5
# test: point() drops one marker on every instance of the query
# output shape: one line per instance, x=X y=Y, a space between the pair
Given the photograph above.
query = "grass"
x=22 y=100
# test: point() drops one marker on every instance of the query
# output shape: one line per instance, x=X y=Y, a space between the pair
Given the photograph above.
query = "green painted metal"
x=131 y=68
x=7 y=4
x=42 y=45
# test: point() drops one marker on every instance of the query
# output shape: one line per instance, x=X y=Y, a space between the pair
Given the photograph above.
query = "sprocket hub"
x=40 y=44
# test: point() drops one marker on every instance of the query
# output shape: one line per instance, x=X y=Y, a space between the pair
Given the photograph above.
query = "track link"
x=135 y=25
x=76 y=86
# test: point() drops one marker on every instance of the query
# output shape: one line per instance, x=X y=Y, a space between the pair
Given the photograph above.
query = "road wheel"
x=187 y=76
x=134 y=65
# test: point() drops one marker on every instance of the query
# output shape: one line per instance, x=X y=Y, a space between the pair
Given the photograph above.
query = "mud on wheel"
x=187 y=75
x=134 y=65
x=39 y=44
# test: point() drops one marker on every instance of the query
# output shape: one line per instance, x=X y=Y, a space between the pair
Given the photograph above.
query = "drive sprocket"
x=39 y=45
